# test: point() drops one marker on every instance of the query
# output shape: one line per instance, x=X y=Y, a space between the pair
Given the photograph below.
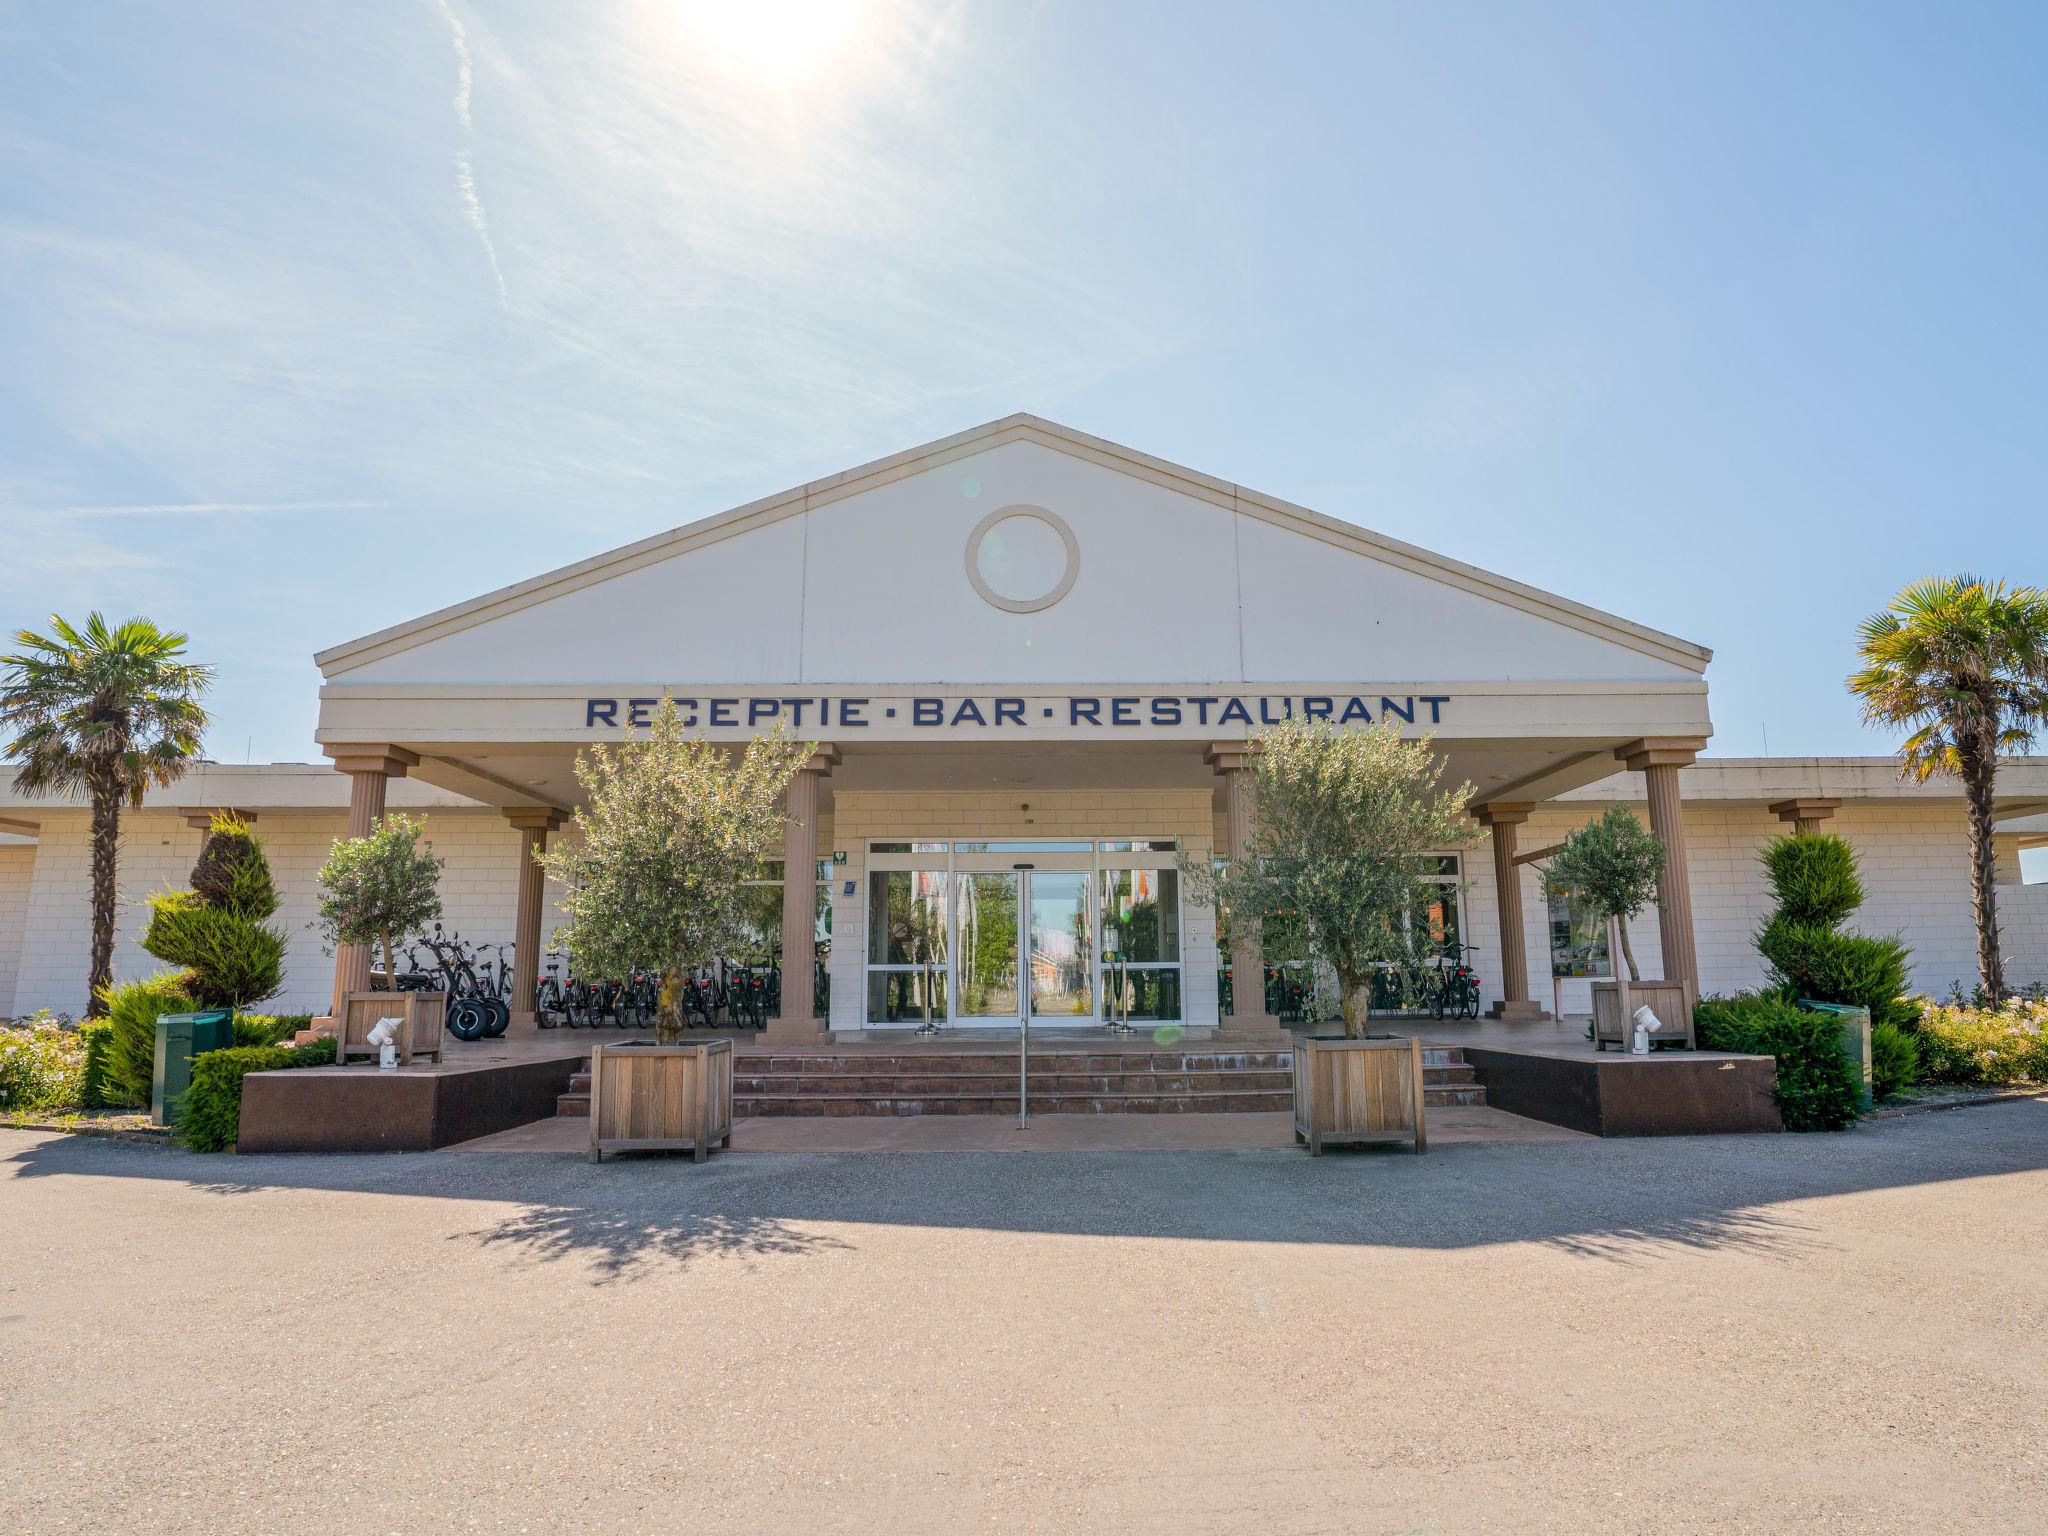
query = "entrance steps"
x=1063 y=1082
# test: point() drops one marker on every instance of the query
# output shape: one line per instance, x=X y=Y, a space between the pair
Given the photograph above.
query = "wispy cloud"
x=465 y=172
x=215 y=508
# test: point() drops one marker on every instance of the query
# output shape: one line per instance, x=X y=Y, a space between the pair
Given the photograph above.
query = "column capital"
x=1503 y=813
x=200 y=817
x=1230 y=756
x=530 y=818
x=822 y=760
x=1660 y=752
x=372 y=757
x=1805 y=808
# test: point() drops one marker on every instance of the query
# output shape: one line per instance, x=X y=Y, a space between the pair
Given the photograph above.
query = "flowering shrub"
x=42 y=1060
x=1964 y=1044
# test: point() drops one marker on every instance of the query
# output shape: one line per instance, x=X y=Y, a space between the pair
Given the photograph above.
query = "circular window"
x=1022 y=558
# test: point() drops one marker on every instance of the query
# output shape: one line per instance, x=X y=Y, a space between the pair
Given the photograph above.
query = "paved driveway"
x=1772 y=1333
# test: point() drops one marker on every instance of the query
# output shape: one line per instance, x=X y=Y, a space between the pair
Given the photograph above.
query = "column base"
x=1253 y=1029
x=1518 y=1010
x=524 y=1026
x=793 y=1034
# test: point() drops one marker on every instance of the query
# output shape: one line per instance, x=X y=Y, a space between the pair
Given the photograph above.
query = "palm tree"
x=1963 y=663
x=110 y=710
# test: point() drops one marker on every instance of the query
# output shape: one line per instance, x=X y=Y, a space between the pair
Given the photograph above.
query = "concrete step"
x=828 y=1083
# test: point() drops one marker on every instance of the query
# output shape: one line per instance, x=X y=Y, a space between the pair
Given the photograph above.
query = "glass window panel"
x=988 y=946
x=761 y=915
x=1027 y=845
x=899 y=997
x=1434 y=921
x=899 y=847
x=906 y=916
x=1440 y=864
x=1140 y=845
x=1151 y=993
x=1578 y=937
x=1141 y=915
x=1062 y=950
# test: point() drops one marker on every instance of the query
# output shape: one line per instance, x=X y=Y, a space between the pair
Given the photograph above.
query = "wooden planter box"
x=419 y=1034
x=1615 y=1004
x=672 y=1098
x=1359 y=1091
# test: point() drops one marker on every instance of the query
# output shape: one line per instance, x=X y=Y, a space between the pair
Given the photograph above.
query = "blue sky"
x=1729 y=318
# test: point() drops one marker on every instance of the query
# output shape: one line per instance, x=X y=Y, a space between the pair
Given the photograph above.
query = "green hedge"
x=213 y=1107
x=1894 y=1060
x=1817 y=1088
x=132 y=1008
x=268 y=1028
x=98 y=1037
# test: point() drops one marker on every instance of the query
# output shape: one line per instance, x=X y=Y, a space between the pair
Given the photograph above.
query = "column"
x=1515 y=1006
x=200 y=820
x=533 y=826
x=368 y=768
x=1658 y=759
x=1805 y=813
x=1248 y=1016
x=793 y=1024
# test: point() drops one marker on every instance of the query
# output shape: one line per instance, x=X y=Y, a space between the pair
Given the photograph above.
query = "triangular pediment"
x=1019 y=552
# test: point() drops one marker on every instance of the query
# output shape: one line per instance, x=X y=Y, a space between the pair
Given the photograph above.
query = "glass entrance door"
x=1024 y=939
x=990 y=914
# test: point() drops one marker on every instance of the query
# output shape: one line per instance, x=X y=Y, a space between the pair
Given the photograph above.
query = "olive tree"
x=379 y=888
x=670 y=827
x=1613 y=864
x=1342 y=827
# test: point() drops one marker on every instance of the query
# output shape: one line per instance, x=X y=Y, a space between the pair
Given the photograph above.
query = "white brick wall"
x=1915 y=860
x=17 y=873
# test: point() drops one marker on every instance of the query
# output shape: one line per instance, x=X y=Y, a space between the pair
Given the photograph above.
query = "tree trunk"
x=1979 y=772
x=1357 y=992
x=668 y=1017
x=106 y=840
x=390 y=963
x=1627 y=951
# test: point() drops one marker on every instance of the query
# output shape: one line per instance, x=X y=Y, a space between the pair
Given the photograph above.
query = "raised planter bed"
x=660 y=1098
x=1359 y=1091
x=1615 y=1004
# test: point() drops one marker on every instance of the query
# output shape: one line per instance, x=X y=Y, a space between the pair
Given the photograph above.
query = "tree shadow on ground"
x=627 y=1245
x=1619 y=1202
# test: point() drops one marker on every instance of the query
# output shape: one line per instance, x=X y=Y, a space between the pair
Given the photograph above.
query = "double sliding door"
x=988 y=935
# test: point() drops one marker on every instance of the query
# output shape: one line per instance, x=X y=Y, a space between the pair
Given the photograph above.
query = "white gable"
x=864 y=579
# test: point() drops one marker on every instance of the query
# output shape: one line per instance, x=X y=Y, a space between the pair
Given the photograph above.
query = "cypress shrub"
x=1894 y=1060
x=1815 y=879
x=269 y=1028
x=218 y=930
x=1817 y=1089
x=98 y=1038
x=213 y=1106
x=131 y=1010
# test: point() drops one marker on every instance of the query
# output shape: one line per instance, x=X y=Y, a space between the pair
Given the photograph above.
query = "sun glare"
x=781 y=38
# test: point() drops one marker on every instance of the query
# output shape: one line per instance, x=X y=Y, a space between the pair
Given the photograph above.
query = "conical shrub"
x=218 y=931
x=1817 y=885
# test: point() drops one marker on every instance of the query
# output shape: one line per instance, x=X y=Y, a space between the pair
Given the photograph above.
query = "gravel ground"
x=1821 y=1333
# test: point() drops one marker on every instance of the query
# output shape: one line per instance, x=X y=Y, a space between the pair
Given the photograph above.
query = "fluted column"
x=1515 y=1005
x=369 y=768
x=1248 y=1016
x=1658 y=759
x=533 y=826
x=793 y=1023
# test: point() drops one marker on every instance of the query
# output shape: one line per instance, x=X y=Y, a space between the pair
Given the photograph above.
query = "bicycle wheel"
x=498 y=1015
x=467 y=1019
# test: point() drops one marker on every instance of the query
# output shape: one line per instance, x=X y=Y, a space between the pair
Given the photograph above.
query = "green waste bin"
x=180 y=1037
x=1855 y=1023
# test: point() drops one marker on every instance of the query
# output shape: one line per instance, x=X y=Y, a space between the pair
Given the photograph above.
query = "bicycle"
x=1454 y=990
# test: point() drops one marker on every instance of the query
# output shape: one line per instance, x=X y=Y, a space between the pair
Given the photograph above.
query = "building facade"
x=1031 y=661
